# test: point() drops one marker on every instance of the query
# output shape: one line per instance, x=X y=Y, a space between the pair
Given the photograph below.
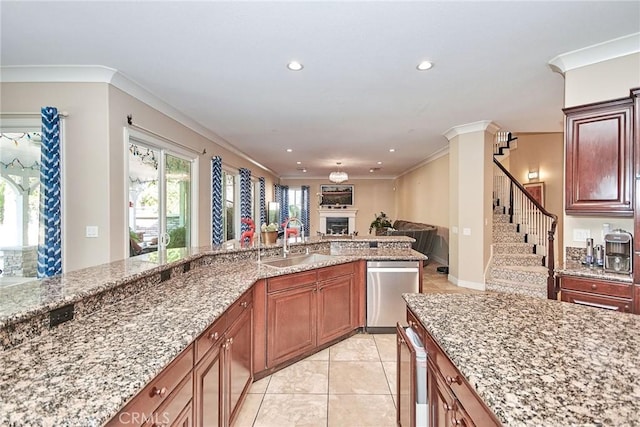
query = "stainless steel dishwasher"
x=386 y=282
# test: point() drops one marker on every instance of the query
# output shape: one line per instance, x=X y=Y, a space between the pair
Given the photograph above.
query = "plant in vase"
x=380 y=224
x=269 y=233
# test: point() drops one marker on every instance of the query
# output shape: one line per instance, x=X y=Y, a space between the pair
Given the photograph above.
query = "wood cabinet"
x=225 y=372
x=163 y=399
x=599 y=162
x=307 y=310
x=635 y=94
x=451 y=399
x=603 y=294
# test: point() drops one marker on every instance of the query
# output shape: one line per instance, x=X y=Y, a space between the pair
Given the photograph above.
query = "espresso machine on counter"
x=618 y=252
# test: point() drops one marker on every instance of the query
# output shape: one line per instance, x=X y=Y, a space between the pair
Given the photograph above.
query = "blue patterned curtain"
x=245 y=197
x=282 y=197
x=50 y=244
x=263 y=204
x=217 y=232
x=305 y=213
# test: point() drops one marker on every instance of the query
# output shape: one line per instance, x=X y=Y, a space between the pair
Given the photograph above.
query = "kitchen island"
x=536 y=362
x=129 y=327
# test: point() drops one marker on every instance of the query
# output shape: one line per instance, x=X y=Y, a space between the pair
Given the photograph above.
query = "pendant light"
x=338 y=176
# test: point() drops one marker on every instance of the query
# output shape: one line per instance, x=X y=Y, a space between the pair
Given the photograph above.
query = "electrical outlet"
x=60 y=315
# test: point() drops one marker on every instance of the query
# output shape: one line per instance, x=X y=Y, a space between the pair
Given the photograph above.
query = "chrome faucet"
x=285 y=251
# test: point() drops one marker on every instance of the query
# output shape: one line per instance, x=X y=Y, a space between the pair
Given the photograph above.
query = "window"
x=295 y=202
x=229 y=197
x=161 y=208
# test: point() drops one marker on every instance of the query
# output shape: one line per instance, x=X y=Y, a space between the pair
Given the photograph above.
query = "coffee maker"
x=618 y=250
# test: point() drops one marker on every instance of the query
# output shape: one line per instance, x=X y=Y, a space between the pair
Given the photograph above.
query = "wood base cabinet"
x=307 y=310
x=225 y=373
x=451 y=400
x=603 y=294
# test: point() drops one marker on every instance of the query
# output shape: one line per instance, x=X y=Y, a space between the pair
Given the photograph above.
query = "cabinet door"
x=442 y=404
x=208 y=380
x=635 y=93
x=239 y=360
x=599 y=159
x=291 y=321
x=597 y=301
x=335 y=306
x=406 y=374
x=185 y=419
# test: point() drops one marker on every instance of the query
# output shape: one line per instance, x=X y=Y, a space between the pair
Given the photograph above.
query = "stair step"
x=505 y=226
x=512 y=248
x=513 y=260
x=520 y=274
x=499 y=209
x=520 y=288
x=508 y=237
x=501 y=218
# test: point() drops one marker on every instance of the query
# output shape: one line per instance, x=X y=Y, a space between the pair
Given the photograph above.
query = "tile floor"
x=349 y=384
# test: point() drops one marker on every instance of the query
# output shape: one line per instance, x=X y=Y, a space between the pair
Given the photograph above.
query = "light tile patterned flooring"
x=352 y=383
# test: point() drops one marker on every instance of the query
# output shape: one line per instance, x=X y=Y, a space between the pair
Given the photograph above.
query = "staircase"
x=522 y=260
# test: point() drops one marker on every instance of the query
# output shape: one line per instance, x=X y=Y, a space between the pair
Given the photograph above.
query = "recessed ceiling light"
x=392 y=150
x=424 y=65
x=295 y=66
x=379 y=163
x=371 y=170
x=298 y=163
x=289 y=150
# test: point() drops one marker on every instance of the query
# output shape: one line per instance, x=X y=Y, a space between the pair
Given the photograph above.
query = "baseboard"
x=465 y=283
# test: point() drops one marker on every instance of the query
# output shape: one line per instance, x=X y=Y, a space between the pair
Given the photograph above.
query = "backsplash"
x=575 y=254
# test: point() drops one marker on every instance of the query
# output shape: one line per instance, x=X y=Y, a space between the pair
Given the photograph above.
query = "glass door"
x=160 y=198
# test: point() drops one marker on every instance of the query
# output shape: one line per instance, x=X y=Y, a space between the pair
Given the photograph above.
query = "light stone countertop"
x=81 y=373
x=574 y=268
x=539 y=362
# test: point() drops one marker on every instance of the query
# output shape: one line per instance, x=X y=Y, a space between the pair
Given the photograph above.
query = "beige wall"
x=422 y=195
x=93 y=162
x=543 y=152
x=603 y=81
x=370 y=196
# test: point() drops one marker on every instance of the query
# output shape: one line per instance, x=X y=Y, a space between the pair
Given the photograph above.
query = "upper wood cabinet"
x=635 y=94
x=599 y=158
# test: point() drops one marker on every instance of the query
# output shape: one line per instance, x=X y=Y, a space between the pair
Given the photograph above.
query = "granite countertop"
x=540 y=362
x=575 y=268
x=81 y=373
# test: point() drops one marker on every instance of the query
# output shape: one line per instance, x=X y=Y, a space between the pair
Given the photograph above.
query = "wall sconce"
x=532 y=175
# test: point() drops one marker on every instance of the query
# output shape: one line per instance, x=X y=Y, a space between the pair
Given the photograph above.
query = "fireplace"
x=337 y=220
x=338 y=225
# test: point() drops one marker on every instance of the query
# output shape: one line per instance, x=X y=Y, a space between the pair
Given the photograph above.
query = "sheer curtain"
x=50 y=244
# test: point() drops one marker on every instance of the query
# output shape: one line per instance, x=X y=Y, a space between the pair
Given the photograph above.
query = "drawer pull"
x=244 y=304
x=456 y=422
x=162 y=392
x=594 y=286
x=453 y=380
x=446 y=407
x=214 y=336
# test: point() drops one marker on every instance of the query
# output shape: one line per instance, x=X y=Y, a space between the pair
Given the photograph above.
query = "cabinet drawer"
x=211 y=336
x=291 y=281
x=157 y=391
x=172 y=408
x=335 y=271
x=597 y=301
x=600 y=287
x=239 y=307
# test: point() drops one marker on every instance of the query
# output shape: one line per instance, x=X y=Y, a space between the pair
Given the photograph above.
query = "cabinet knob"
x=452 y=380
x=230 y=340
x=594 y=286
x=456 y=422
x=162 y=392
x=214 y=336
x=446 y=406
x=244 y=304
x=400 y=340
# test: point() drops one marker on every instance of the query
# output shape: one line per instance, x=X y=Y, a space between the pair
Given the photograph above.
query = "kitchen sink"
x=297 y=260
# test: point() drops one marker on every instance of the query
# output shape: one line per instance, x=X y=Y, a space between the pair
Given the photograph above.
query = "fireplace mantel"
x=337 y=212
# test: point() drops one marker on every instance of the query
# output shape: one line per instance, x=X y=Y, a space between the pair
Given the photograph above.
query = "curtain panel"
x=245 y=197
x=217 y=232
x=50 y=241
x=282 y=197
x=263 y=203
x=305 y=211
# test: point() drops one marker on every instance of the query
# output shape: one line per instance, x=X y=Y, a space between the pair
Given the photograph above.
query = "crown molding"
x=616 y=48
x=435 y=156
x=102 y=74
x=481 y=126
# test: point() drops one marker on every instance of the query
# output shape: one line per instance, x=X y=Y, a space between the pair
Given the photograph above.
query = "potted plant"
x=269 y=233
x=380 y=224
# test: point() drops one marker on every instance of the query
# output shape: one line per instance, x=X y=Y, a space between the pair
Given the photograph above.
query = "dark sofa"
x=424 y=234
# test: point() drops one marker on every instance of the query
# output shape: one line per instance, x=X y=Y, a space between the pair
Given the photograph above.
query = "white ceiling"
x=222 y=64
